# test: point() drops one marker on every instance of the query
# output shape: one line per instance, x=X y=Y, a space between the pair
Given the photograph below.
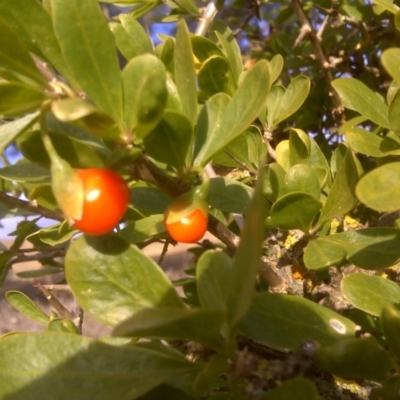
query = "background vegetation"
x=290 y=110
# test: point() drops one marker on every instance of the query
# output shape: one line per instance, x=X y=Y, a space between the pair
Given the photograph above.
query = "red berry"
x=106 y=198
x=189 y=228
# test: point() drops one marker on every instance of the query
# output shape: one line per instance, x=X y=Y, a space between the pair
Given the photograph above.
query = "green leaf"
x=25 y=172
x=170 y=140
x=323 y=253
x=389 y=390
x=204 y=48
x=149 y=200
x=113 y=280
x=213 y=271
x=297 y=388
x=210 y=117
x=369 y=248
x=35 y=27
x=236 y=116
x=184 y=72
x=17 y=98
x=293 y=98
x=230 y=47
x=89 y=50
x=79 y=155
x=378 y=188
x=15 y=59
x=394 y=113
x=301 y=178
x=390 y=60
x=295 y=210
x=341 y=197
x=145 y=93
x=356 y=96
x=26 y=306
x=229 y=195
x=175 y=323
x=214 y=77
x=273 y=182
x=139 y=231
x=274 y=102
x=247 y=259
x=387 y=5
x=355 y=359
x=137 y=41
x=10 y=130
x=56 y=234
x=65 y=366
x=284 y=322
x=370 y=293
x=390 y=323
x=364 y=142
x=276 y=66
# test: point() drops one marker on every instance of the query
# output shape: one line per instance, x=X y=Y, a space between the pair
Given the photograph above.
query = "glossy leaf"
x=18 y=98
x=184 y=72
x=10 y=130
x=78 y=154
x=247 y=259
x=276 y=65
x=210 y=120
x=89 y=50
x=364 y=142
x=245 y=105
x=370 y=293
x=69 y=366
x=213 y=271
x=112 y=279
x=297 y=388
x=174 y=323
x=229 y=195
x=145 y=93
x=230 y=47
x=356 y=96
x=149 y=200
x=394 y=113
x=390 y=323
x=341 y=197
x=139 y=38
x=15 y=59
x=301 y=178
x=204 y=48
x=292 y=99
x=296 y=210
x=273 y=182
x=378 y=188
x=390 y=60
x=26 y=306
x=323 y=253
x=284 y=321
x=214 y=77
x=25 y=172
x=170 y=140
x=56 y=234
x=34 y=25
x=139 y=231
x=369 y=248
x=355 y=359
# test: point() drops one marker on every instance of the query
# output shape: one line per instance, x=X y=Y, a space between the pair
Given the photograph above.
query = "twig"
x=205 y=21
x=306 y=28
x=54 y=301
x=13 y=202
x=35 y=257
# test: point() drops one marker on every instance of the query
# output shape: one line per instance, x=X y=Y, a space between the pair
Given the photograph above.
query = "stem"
x=13 y=202
x=205 y=21
x=306 y=29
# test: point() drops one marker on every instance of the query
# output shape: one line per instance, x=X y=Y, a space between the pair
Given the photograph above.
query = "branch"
x=306 y=28
x=13 y=202
x=205 y=21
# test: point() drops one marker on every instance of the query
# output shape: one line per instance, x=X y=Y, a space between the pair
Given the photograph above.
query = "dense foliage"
x=273 y=124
